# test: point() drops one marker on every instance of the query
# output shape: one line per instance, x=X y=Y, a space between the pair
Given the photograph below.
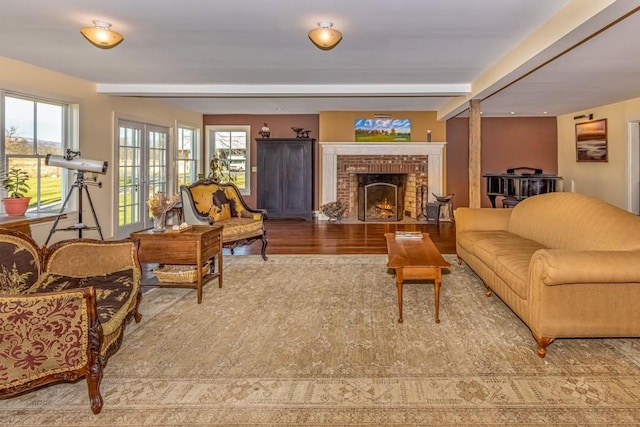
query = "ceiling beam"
x=283 y=90
x=577 y=21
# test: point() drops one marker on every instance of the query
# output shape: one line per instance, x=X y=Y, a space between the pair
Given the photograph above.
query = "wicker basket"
x=179 y=273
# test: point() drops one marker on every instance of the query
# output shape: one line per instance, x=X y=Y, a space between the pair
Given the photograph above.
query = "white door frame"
x=633 y=167
x=142 y=189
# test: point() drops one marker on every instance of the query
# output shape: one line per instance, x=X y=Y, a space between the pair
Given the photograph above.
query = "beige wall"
x=97 y=125
x=604 y=180
x=338 y=126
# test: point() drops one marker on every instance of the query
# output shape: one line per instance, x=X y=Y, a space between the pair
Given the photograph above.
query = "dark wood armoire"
x=285 y=177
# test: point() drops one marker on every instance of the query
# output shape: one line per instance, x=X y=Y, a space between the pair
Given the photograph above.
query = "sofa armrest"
x=482 y=219
x=189 y=213
x=558 y=267
x=50 y=337
x=260 y=214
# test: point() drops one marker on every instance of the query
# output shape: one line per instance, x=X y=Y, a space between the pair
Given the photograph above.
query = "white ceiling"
x=254 y=57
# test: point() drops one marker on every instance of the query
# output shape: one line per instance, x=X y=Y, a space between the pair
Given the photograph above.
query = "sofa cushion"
x=489 y=249
x=513 y=268
x=240 y=228
x=508 y=256
x=469 y=239
x=114 y=293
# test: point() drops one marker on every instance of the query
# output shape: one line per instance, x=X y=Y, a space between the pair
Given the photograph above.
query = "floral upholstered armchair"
x=208 y=201
x=63 y=310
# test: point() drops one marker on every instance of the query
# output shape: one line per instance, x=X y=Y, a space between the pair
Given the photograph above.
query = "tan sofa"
x=568 y=265
x=63 y=310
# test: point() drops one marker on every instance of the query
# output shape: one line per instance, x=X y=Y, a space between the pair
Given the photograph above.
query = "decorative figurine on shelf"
x=265 y=132
x=301 y=133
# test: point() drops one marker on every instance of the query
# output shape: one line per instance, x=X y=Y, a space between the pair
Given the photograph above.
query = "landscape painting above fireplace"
x=383 y=130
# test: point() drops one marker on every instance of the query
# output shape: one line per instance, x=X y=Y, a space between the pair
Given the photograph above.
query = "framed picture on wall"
x=591 y=141
x=383 y=130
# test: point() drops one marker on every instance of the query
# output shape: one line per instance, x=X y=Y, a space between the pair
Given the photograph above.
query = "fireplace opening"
x=381 y=197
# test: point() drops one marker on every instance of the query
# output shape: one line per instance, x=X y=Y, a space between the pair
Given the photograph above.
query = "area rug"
x=314 y=341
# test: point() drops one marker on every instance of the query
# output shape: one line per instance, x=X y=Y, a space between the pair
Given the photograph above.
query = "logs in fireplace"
x=381 y=197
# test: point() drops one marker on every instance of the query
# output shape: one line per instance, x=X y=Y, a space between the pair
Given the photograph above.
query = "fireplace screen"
x=380 y=197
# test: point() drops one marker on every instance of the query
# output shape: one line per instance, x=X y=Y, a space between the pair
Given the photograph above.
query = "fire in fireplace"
x=381 y=197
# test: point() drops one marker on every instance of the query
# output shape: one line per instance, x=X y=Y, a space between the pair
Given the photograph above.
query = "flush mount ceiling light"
x=101 y=35
x=325 y=37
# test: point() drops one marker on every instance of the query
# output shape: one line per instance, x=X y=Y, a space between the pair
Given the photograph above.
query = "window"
x=36 y=127
x=187 y=156
x=230 y=144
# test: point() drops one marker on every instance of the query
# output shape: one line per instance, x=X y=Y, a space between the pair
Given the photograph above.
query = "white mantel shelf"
x=329 y=152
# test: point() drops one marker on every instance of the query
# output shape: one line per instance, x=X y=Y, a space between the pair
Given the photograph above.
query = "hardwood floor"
x=290 y=236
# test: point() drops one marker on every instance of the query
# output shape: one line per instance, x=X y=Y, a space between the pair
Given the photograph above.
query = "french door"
x=142 y=170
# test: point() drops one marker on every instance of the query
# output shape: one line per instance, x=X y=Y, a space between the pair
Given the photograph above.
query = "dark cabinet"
x=285 y=177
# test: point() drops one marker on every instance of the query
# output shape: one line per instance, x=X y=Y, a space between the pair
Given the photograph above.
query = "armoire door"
x=296 y=182
x=269 y=178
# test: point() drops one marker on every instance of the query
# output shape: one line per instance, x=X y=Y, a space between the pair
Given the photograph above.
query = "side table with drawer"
x=195 y=247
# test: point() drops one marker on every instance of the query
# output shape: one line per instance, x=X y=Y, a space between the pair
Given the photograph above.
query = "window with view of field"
x=36 y=127
x=187 y=156
x=230 y=145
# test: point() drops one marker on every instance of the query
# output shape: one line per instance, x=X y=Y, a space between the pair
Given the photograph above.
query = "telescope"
x=72 y=161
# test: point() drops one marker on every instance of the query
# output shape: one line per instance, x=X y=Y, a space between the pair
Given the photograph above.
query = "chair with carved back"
x=207 y=201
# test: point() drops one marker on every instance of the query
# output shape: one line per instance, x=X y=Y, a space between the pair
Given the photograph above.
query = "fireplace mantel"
x=329 y=152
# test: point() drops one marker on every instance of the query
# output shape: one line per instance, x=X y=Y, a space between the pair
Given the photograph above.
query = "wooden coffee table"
x=191 y=247
x=415 y=259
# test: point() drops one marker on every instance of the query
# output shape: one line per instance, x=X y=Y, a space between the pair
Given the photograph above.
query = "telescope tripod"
x=82 y=186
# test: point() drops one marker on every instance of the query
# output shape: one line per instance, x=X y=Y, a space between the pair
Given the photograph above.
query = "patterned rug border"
x=581 y=382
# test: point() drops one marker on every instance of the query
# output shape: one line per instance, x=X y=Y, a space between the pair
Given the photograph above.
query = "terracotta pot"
x=16 y=206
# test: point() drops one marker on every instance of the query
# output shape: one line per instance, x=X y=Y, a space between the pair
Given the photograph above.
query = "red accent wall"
x=507 y=142
x=280 y=126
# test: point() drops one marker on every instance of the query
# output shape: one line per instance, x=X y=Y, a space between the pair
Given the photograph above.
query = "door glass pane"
x=157 y=161
x=129 y=176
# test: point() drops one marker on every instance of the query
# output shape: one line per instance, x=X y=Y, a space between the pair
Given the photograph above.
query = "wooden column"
x=475 y=145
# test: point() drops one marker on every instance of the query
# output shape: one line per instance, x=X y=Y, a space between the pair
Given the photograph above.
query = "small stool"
x=509 y=202
x=445 y=212
x=433 y=213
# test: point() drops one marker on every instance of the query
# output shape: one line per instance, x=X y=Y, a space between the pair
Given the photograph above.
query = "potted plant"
x=219 y=170
x=15 y=184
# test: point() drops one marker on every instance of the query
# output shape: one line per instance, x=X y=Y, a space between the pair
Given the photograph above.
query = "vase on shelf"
x=159 y=223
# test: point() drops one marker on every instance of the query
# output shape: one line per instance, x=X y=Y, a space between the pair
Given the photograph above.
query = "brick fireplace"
x=349 y=168
x=380 y=197
x=343 y=162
